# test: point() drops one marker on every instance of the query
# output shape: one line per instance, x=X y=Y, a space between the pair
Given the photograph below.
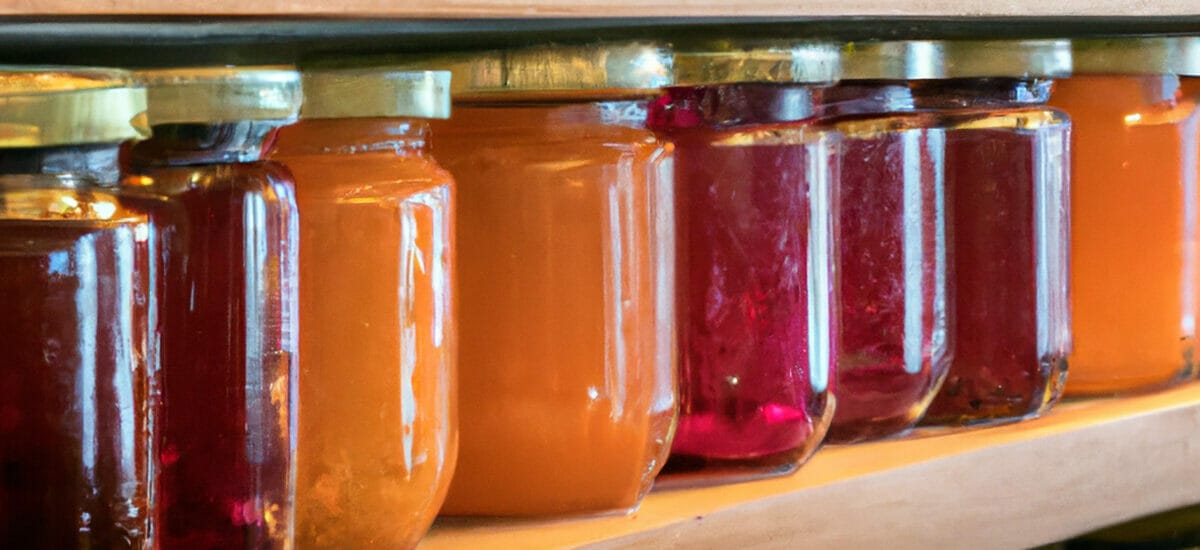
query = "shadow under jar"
x=755 y=290
x=565 y=238
x=1007 y=172
x=378 y=424
x=76 y=315
x=1134 y=240
x=227 y=221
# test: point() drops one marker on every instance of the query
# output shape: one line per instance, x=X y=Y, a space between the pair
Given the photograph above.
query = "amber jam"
x=377 y=429
x=565 y=230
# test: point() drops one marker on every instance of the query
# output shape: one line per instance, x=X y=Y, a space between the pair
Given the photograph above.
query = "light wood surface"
x=609 y=8
x=1084 y=466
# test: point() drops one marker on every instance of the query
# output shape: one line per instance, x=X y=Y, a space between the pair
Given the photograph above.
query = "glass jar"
x=896 y=297
x=755 y=261
x=1006 y=179
x=565 y=240
x=378 y=426
x=1134 y=241
x=1190 y=85
x=225 y=403
x=77 y=297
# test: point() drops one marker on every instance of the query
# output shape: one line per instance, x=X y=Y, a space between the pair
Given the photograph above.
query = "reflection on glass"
x=1134 y=234
x=74 y=292
x=893 y=274
x=756 y=294
x=377 y=425
x=566 y=240
x=1006 y=183
x=228 y=334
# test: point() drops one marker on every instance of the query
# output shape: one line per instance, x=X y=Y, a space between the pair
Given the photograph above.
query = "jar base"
x=871 y=430
x=1053 y=371
x=689 y=471
x=454 y=519
x=684 y=471
x=1129 y=386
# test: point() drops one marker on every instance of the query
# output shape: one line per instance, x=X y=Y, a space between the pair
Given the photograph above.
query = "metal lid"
x=375 y=92
x=1006 y=58
x=541 y=72
x=940 y=59
x=221 y=94
x=1160 y=55
x=893 y=60
x=780 y=62
x=47 y=106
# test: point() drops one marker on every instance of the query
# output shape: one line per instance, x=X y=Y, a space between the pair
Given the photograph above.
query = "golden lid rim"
x=54 y=106
x=554 y=71
x=221 y=94
x=1179 y=55
x=945 y=59
x=367 y=92
x=758 y=62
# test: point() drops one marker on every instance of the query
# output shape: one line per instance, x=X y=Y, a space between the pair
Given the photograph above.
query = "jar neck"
x=865 y=97
x=98 y=164
x=347 y=136
x=980 y=93
x=731 y=105
x=532 y=124
x=199 y=144
x=1160 y=89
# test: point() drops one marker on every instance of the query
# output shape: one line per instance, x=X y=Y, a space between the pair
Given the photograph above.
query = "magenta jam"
x=1008 y=194
x=893 y=275
x=755 y=300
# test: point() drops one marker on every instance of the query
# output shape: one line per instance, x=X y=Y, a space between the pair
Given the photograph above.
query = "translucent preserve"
x=74 y=287
x=227 y=261
x=1007 y=174
x=565 y=235
x=756 y=296
x=77 y=293
x=378 y=427
x=1134 y=240
x=895 y=292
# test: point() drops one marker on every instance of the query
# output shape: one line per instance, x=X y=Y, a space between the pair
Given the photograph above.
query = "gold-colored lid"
x=893 y=60
x=375 y=92
x=47 y=106
x=782 y=62
x=937 y=59
x=1006 y=58
x=1159 y=55
x=221 y=94
x=604 y=70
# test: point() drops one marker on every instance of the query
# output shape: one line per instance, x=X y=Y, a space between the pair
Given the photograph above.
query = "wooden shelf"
x=121 y=39
x=608 y=8
x=1086 y=465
